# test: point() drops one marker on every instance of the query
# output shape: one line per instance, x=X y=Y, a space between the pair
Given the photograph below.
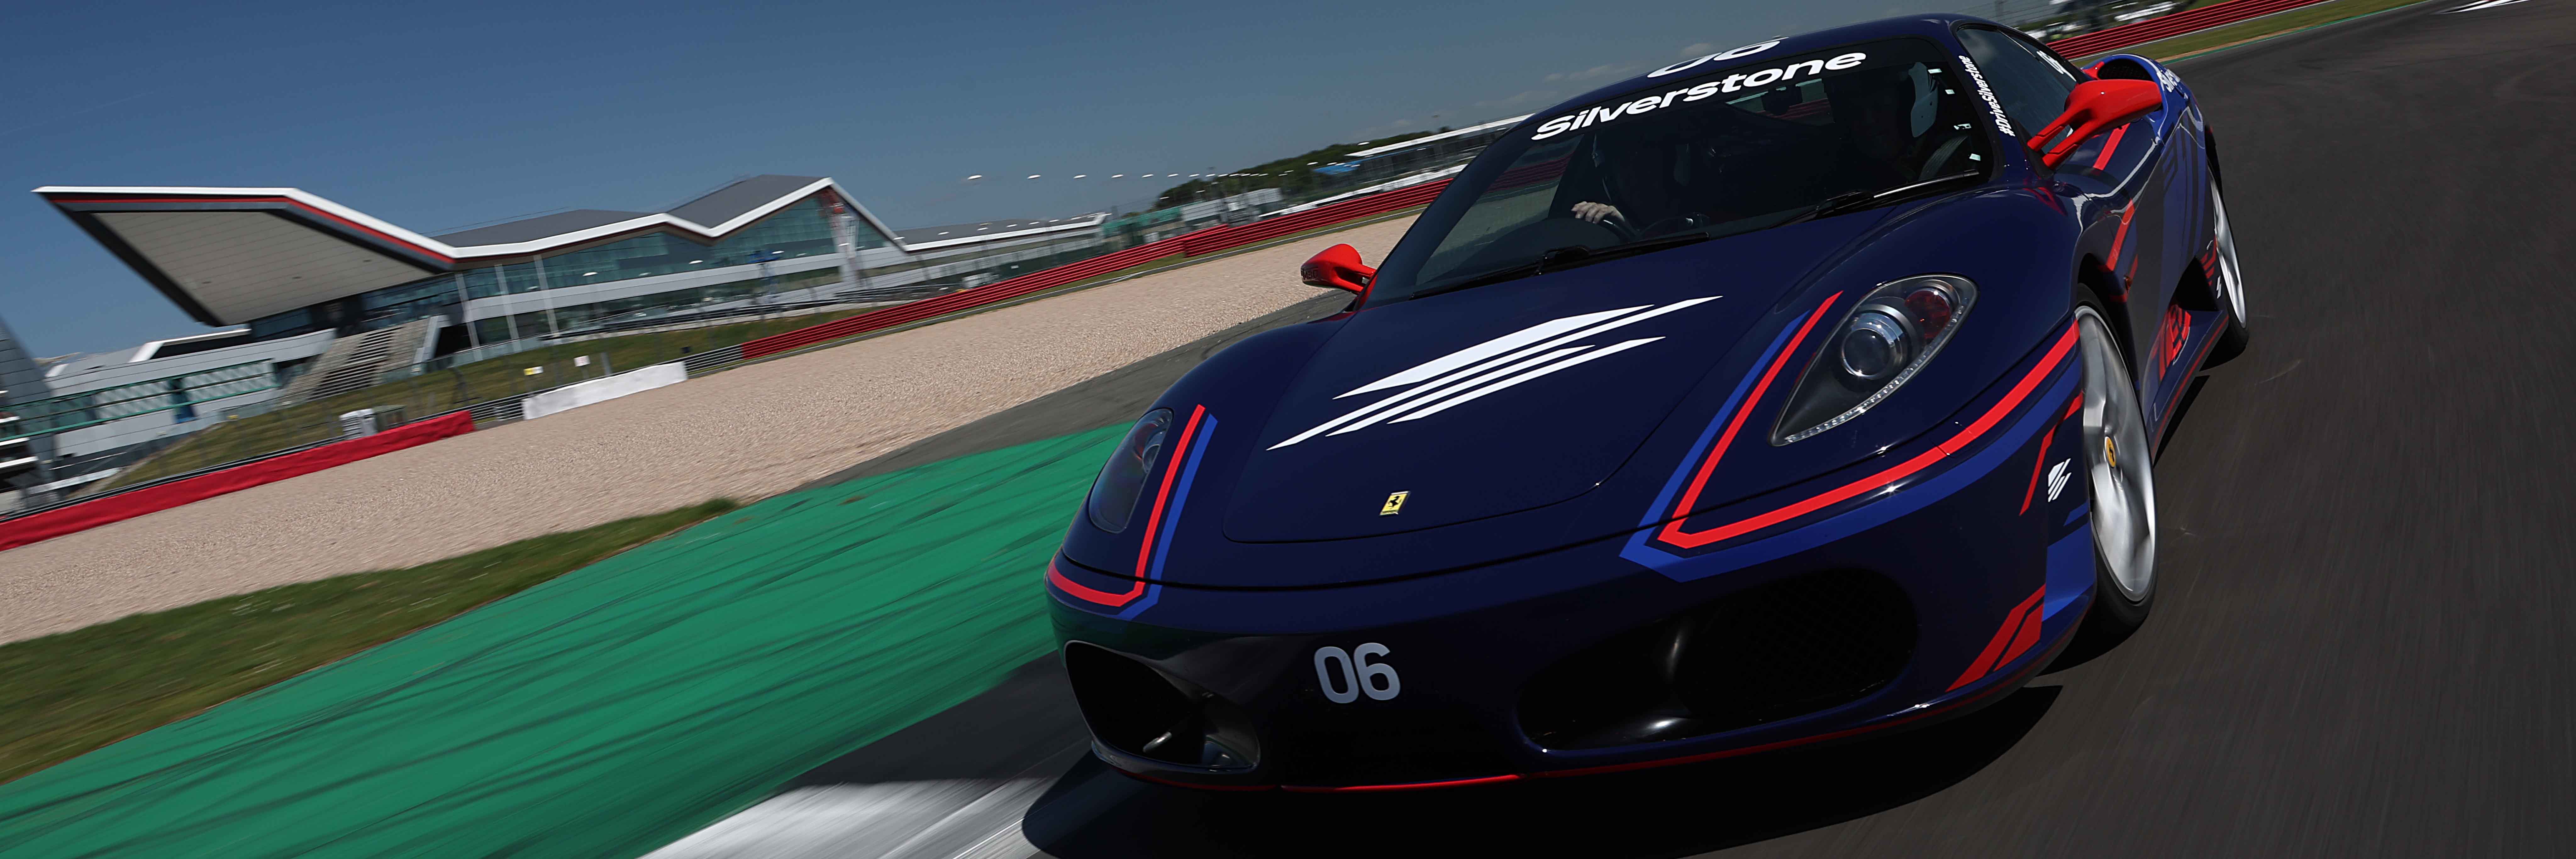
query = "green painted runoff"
x=618 y=707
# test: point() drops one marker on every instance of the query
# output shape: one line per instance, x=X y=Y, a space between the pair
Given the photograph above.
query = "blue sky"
x=441 y=116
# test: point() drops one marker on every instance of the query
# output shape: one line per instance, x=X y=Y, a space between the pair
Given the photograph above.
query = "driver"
x=1644 y=174
x=1650 y=177
x=1595 y=212
x=1877 y=114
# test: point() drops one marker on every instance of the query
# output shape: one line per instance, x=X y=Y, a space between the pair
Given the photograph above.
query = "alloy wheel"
x=2231 y=279
x=2118 y=464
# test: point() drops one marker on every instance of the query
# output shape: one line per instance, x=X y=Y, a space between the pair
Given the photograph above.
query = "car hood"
x=1451 y=408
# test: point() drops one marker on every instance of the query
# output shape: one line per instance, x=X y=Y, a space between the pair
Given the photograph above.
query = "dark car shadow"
x=1093 y=811
x=2182 y=409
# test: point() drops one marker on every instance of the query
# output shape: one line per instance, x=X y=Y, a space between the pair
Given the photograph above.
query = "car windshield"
x=1696 y=155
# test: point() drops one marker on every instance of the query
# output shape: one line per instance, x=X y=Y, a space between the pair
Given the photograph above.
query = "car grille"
x=1390 y=748
x=1775 y=651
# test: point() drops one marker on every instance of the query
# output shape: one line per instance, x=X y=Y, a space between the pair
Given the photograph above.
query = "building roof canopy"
x=231 y=255
x=539 y=227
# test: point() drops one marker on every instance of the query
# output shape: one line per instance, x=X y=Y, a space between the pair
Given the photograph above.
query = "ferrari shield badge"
x=1394 y=504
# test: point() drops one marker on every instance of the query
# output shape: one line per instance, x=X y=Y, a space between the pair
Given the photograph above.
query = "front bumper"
x=1917 y=600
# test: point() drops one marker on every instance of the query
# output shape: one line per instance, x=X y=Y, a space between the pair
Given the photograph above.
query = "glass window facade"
x=576 y=317
x=286 y=324
x=802 y=229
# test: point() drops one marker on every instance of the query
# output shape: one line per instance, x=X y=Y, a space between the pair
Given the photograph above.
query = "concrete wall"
x=602 y=390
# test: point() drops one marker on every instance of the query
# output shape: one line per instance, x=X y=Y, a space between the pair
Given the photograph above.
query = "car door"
x=2126 y=182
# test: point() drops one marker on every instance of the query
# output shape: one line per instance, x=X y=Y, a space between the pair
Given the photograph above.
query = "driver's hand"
x=1595 y=212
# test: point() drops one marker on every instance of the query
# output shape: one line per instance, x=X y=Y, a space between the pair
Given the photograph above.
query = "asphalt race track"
x=2362 y=644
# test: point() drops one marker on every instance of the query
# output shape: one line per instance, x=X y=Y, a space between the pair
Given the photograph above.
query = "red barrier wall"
x=927 y=308
x=1222 y=238
x=123 y=506
x=2168 y=26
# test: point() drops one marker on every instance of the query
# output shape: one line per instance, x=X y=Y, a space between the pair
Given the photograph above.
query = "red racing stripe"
x=2109 y=145
x=1090 y=594
x=1419 y=785
x=2197 y=356
x=2005 y=636
x=2029 y=634
x=1178 y=457
x=1690 y=494
x=1673 y=534
x=1917 y=715
x=1171 y=471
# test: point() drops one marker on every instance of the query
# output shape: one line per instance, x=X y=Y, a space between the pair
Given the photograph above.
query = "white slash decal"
x=2057 y=475
x=1491 y=366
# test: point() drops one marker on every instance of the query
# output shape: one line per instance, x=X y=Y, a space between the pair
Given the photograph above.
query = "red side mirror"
x=1337 y=267
x=2095 y=107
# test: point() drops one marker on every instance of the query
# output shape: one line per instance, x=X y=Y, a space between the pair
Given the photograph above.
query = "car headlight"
x=1139 y=456
x=1884 y=340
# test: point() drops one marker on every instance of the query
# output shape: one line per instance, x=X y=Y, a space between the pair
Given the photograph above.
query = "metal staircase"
x=356 y=363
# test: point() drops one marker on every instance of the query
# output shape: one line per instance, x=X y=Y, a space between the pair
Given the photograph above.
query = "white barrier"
x=599 y=390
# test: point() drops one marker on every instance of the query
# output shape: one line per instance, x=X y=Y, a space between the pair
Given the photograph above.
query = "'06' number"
x=1356 y=675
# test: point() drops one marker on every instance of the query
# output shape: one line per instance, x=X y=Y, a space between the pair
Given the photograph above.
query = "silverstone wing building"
x=282 y=262
x=314 y=298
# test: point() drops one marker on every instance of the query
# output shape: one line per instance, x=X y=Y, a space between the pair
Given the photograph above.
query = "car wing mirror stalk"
x=2093 y=108
x=1338 y=267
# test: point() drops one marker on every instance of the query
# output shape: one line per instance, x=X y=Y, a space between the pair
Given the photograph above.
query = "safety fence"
x=1226 y=238
x=2169 y=26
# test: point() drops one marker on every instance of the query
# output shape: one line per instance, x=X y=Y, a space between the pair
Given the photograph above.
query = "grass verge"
x=2180 y=47
x=63 y=695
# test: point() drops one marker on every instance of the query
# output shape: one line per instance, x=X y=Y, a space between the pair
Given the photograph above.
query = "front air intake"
x=1783 y=649
x=1141 y=711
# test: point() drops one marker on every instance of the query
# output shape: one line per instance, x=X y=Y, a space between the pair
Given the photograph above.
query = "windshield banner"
x=1714 y=86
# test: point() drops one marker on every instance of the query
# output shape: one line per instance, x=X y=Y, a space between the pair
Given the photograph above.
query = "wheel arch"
x=2209 y=149
x=2095 y=282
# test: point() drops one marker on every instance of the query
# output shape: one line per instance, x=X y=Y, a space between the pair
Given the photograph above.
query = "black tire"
x=2117 y=612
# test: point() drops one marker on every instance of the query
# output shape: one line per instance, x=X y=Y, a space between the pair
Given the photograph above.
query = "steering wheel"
x=1674 y=224
x=1940 y=161
x=1619 y=225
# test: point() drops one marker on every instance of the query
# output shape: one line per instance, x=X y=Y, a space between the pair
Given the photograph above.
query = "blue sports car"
x=1796 y=392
